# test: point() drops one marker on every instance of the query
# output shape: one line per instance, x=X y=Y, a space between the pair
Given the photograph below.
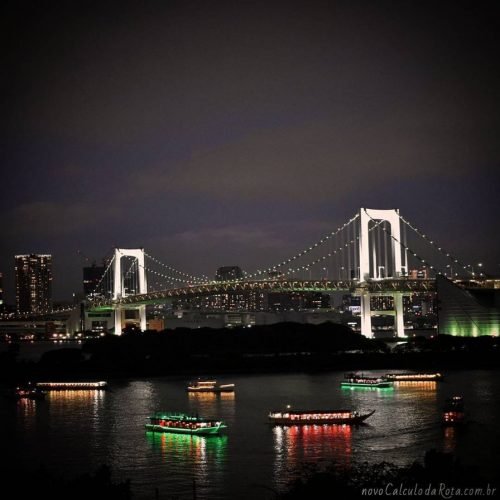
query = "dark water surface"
x=74 y=432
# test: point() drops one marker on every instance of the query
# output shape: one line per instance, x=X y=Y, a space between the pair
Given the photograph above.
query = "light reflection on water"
x=298 y=444
x=203 y=456
x=211 y=404
x=450 y=439
x=76 y=431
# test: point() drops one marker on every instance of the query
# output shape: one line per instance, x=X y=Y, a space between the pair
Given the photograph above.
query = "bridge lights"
x=448 y=266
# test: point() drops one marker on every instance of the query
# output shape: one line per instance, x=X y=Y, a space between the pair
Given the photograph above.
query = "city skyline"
x=236 y=134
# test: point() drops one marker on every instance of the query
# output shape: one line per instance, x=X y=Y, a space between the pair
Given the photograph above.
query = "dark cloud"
x=316 y=161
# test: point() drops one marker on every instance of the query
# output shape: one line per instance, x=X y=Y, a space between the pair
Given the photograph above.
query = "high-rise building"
x=33 y=283
x=228 y=273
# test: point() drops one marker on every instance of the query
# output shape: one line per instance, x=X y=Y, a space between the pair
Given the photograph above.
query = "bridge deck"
x=373 y=287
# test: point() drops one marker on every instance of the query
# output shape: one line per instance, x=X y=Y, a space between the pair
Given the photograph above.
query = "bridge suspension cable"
x=106 y=274
x=337 y=251
x=303 y=252
x=172 y=279
x=190 y=277
x=446 y=254
x=406 y=247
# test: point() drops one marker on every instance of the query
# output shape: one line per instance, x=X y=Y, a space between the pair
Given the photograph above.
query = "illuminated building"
x=419 y=274
x=466 y=313
x=1 y=292
x=247 y=300
x=382 y=303
x=33 y=275
x=228 y=273
x=297 y=301
x=244 y=301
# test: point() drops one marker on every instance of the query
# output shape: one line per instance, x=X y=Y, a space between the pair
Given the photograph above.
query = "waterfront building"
x=297 y=301
x=467 y=312
x=33 y=276
x=1 y=292
x=32 y=329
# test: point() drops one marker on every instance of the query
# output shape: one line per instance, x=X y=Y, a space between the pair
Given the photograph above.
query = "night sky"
x=221 y=133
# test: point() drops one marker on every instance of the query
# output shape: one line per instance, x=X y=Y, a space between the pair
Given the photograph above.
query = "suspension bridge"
x=375 y=252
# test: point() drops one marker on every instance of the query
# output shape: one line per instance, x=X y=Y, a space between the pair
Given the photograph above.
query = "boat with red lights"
x=209 y=386
x=181 y=423
x=356 y=380
x=318 y=417
x=454 y=412
x=414 y=377
x=72 y=386
x=26 y=392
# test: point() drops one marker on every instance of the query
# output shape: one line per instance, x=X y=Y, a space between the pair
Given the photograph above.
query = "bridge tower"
x=118 y=283
x=368 y=269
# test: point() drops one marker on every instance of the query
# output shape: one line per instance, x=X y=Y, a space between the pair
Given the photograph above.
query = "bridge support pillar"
x=118 y=283
x=142 y=317
x=368 y=215
x=398 y=309
x=366 y=315
x=118 y=321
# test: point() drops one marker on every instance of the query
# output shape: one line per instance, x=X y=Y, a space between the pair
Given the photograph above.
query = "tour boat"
x=180 y=423
x=71 y=386
x=453 y=412
x=355 y=380
x=317 y=417
x=26 y=392
x=209 y=386
x=414 y=377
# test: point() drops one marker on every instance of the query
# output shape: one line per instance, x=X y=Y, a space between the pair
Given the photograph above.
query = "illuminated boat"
x=317 y=417
x=27 y=392
x=355 y=380
x=180 y=423
x=414 y=377
x=209 y=386
x=453 y=412
x=72 y=386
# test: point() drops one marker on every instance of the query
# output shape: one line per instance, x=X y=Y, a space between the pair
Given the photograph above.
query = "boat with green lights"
x=414 y=377
x=209 y=386
x=318 y=417
x=181 y=423
x=355 y=380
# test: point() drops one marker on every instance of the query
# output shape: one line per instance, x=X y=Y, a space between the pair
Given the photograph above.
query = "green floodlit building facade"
x=467 y=313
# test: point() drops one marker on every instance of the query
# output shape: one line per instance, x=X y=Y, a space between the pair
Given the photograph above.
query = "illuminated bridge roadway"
x=373 y=287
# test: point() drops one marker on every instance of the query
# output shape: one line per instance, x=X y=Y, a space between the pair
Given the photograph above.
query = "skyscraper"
x=33 y=283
